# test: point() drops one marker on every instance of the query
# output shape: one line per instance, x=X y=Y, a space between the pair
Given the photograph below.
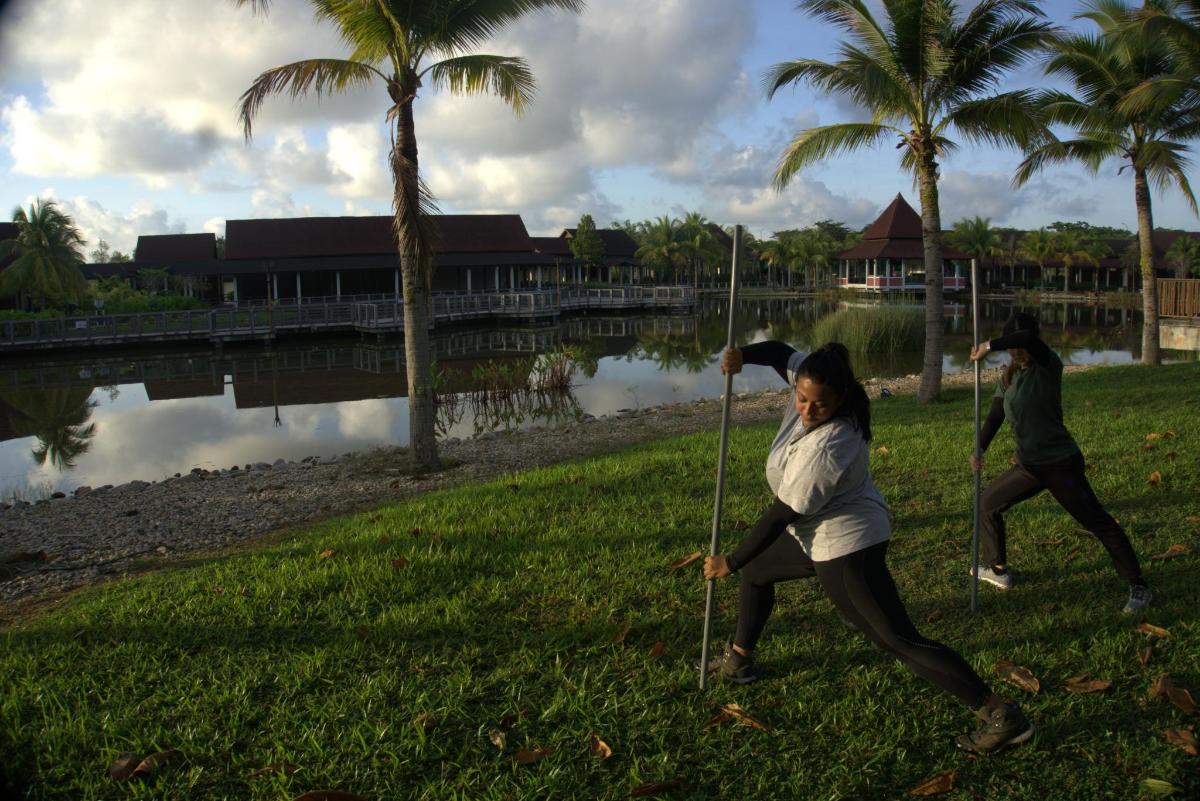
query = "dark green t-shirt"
x=1033 y=407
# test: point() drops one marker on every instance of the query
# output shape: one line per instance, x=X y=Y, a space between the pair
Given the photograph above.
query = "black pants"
x=1070 y=487
x=862 y=589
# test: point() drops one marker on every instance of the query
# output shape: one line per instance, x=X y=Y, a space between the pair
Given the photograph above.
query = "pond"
x=95 y=418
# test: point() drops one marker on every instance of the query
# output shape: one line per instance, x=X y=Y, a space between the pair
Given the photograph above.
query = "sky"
x=124 y=111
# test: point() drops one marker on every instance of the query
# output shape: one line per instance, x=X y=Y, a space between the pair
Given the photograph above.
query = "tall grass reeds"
x=878 y=329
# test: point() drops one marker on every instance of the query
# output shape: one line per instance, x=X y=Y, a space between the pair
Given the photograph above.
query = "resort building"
x=891 y=256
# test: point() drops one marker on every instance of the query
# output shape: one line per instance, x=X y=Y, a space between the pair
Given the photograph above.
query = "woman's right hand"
x=731 y=361
x=976 y=463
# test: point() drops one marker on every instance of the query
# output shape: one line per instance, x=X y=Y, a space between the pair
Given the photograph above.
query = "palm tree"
x=60 y=419
x=976 y=237
x=661 y=248
x=1184 y=257
x=1038 y=247
x=1113 y=118
x=397 y=43
x=922 y=70
x=47 y=254
x=697 y=243
x=1069 y=249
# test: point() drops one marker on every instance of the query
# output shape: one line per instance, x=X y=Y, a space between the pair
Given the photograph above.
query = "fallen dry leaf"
x=935 y=785
x=498 y=738
x=286 y=768
x=153 y=762
x=425 y=722
x=1169 y=434
x=122 y=767
x=658 y=649
x=1172 y=455
x=1021 y=676
x=527 y=756
x=882 y=450
x=326 y=554
x=1158 y=786
x=1193 y=518
x=654 y=788
x=742 y=716
x=328 y=795
x=1149 y=447
x=1185 y=739
x=399 y=563
x=416 y=532
x=623 y=633
x=1150 y=628
x=1071 y=555
x=1144 y=655
x=934 y=616
x=1170 y=553
x=1153 y=435
x=1164 y=686
x=687 y=561
x=599 y=748
x=1156 y=477
x=718 y=719
x=1081 y=685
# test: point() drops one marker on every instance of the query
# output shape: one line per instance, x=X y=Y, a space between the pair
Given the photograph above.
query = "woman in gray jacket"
x=838 y=529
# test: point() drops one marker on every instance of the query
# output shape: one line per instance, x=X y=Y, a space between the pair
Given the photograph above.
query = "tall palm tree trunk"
x=931 y=225
x=1141 y=194
x=421 y=410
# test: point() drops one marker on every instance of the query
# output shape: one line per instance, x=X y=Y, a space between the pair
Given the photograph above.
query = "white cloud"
x=119 y=229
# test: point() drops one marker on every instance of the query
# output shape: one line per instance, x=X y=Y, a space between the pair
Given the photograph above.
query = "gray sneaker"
x=1140 y=596
x=1003 y=580
x=1004 y=725
x=735 y=667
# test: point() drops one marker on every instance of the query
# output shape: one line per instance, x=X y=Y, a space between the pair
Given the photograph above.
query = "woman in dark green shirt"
x=1029 y=397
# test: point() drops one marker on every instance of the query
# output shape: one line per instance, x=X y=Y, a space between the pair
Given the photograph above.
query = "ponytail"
x=830 y=365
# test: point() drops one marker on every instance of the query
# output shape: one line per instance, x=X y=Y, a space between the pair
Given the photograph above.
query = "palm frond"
x=463 y=26
x=1167 y=165
x=1011 y=118
x=510 y=79
x=816 y=144
x=1090 y=152
x=321 y=75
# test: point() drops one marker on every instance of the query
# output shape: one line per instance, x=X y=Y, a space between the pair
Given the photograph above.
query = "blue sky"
x=124 y=111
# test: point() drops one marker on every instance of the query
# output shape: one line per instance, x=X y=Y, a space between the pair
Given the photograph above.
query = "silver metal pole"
x=978 y=442
x=715 y=546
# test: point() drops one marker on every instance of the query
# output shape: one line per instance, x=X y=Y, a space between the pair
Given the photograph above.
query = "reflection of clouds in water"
x=367 y=419
x=638 y=384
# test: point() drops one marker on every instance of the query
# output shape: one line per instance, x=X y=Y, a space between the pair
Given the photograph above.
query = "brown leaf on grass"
x=687 y=561
x=328 y=795
x=1169 y=434
x=286 y=768
x=326 y=554
x=1149 y=447
x=1144 y=655
x=1185 y=739
x=739 y=525
x=655 y=788
x=658 y=649
x=1081 y=685
x=1164 y=686
x=399 y=563
x=623 y=633
x=1156 y=477
x=1158 y=787
x=218 y=590
x=511 y=719
x=718 y=719
x=882 y=450
x=1071 y=554
x=498 y=738
x=1193 y=518
x=424 y=722
x=1150 y=628
x=742 y=716
x=122 y=767
x=527 y=756
x=1021 y=676
x=1153 y=435
x=599 y=748
x=153 y=762
x=1172 y=455
x=416 y=532
x=362 y=632
x=1056 y=542
x=935 y=785
x=934 y=616
x=1170 y=553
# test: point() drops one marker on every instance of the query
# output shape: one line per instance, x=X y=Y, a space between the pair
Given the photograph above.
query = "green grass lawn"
x=497 y=636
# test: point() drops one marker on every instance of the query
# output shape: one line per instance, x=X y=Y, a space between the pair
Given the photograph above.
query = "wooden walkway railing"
x=376 y=316
x=1179 y=297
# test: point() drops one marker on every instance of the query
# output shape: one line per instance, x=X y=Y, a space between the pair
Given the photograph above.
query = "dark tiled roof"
x=1163 y=238
x=363 y=236
x=163 y=249
x=898 y=221
x=617 y=244
x=896 y=249
x=552 y=246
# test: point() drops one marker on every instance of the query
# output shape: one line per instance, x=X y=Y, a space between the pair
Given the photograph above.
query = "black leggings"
x=862 y=590
x=1070 y=487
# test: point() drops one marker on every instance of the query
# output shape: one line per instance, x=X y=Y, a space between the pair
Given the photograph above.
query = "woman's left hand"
x=980 y=350
x=716 y=567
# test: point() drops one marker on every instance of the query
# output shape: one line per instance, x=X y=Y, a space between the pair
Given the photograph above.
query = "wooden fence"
x=1179 y=297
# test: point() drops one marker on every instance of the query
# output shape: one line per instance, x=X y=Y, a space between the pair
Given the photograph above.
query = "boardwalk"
x=366 y=314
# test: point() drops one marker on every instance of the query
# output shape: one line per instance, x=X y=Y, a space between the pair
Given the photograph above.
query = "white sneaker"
x=1140 y=597
x=1003 y=581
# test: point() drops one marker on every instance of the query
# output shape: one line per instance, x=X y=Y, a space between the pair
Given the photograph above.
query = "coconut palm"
x=1038 y=247
x=47 y=255
x=976 y=237
x=1108 y=70
x=923 y=70
x=698 y=244
x=1068 y=249
x=660 y=248
x=1184 y=257
x=60 y=419
x=402 y=45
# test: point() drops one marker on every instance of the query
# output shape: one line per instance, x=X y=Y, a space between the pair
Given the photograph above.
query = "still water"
x=100 y=418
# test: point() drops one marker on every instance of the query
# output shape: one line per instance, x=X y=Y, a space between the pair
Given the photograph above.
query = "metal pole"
x=714 y=547
x=978 y=449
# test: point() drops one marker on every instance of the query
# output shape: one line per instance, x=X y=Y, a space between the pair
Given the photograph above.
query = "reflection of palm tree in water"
x=58 y=418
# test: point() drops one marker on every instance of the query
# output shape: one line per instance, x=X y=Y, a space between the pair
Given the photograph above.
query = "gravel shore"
x=97 y=534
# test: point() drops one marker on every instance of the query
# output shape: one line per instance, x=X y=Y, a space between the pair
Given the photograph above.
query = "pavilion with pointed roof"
x=891 y=256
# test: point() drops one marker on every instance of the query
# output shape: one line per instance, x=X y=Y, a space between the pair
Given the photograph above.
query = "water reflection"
x=95 y=418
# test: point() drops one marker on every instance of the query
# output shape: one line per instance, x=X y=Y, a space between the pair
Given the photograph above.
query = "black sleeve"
x=1027 y=340
x=992 y=424
x=773 y=522
x=769 y=354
